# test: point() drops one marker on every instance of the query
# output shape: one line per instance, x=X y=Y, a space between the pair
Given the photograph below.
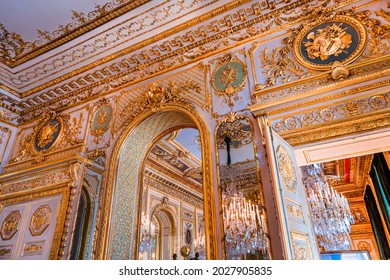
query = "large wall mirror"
x=240 y=186
x=172 y=221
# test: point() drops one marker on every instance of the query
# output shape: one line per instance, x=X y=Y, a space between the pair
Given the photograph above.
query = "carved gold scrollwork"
x=157 y=97
x=286 y=169
x=40 y=220
x=54 y=132
x=10 y=225
x=101 y=119
x=301 y=245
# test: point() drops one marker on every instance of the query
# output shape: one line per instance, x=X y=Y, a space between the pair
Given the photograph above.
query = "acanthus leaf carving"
x=33 y=145
x=158 y=97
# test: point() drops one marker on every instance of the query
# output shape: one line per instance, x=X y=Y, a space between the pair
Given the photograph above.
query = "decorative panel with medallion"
x=27 y=229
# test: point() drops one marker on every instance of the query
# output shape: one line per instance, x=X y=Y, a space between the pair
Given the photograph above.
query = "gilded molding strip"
x=173 y=31
x=290 y=91
x=321 y=99
x=67 y=32
x=345 y=127
x=340 y=110
x=139 y=45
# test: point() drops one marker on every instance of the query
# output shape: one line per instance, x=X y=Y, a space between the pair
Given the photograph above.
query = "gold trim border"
x=45 y=192
x=342 y=128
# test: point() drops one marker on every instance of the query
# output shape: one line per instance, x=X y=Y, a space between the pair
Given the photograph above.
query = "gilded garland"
x=341 y=39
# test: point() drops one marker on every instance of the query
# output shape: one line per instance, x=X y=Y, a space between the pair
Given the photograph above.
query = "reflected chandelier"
x=147 y=234
x=243 y=222
x=330 y=211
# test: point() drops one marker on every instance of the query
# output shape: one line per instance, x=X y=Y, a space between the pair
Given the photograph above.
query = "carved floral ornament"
x=10 y=225
x=54 y=131
x=157 y=97
x=40 y=220
x=101 y=119
x=229 y=75
x=286 y=169
x=329 y=40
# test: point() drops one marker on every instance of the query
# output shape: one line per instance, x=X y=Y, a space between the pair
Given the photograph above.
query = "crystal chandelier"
x=244 y=223
x=330 y=211
x=147 y=235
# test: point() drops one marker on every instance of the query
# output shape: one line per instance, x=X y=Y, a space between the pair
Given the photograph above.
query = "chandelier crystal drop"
x=330 y=211
x=243 y=222
x=147 y=234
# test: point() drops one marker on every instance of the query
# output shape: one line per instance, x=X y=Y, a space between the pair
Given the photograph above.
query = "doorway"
x=125 y=180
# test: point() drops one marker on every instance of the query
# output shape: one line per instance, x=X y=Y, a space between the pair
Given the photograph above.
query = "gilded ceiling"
x=118 y=43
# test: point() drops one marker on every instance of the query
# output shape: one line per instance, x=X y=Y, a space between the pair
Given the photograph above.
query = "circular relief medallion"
x=229 y=77
x=286 y=169
x=101 y=120
x=342 y=39
x=47 y=135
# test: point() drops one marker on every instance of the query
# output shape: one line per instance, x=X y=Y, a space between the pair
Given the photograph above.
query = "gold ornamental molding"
x=338 y=110
x=165 y=62
x=341 y=128
x=179 y=41
x=340 y=43
x=106 y=218
x=10 y=225
x=62 y=189
x=268 y=100
x=40 y=220
x=47 y=41
x=53 y=135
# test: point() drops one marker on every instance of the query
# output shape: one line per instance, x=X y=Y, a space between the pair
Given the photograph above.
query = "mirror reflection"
x=172 y=220
x=243 y=219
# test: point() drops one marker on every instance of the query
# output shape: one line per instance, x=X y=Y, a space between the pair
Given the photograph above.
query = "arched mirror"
x=172 y=220
x=240 y=186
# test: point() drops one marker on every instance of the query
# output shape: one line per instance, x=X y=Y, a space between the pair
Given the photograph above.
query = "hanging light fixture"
x=147 y=234
x=330 y=211
x=243 y=222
